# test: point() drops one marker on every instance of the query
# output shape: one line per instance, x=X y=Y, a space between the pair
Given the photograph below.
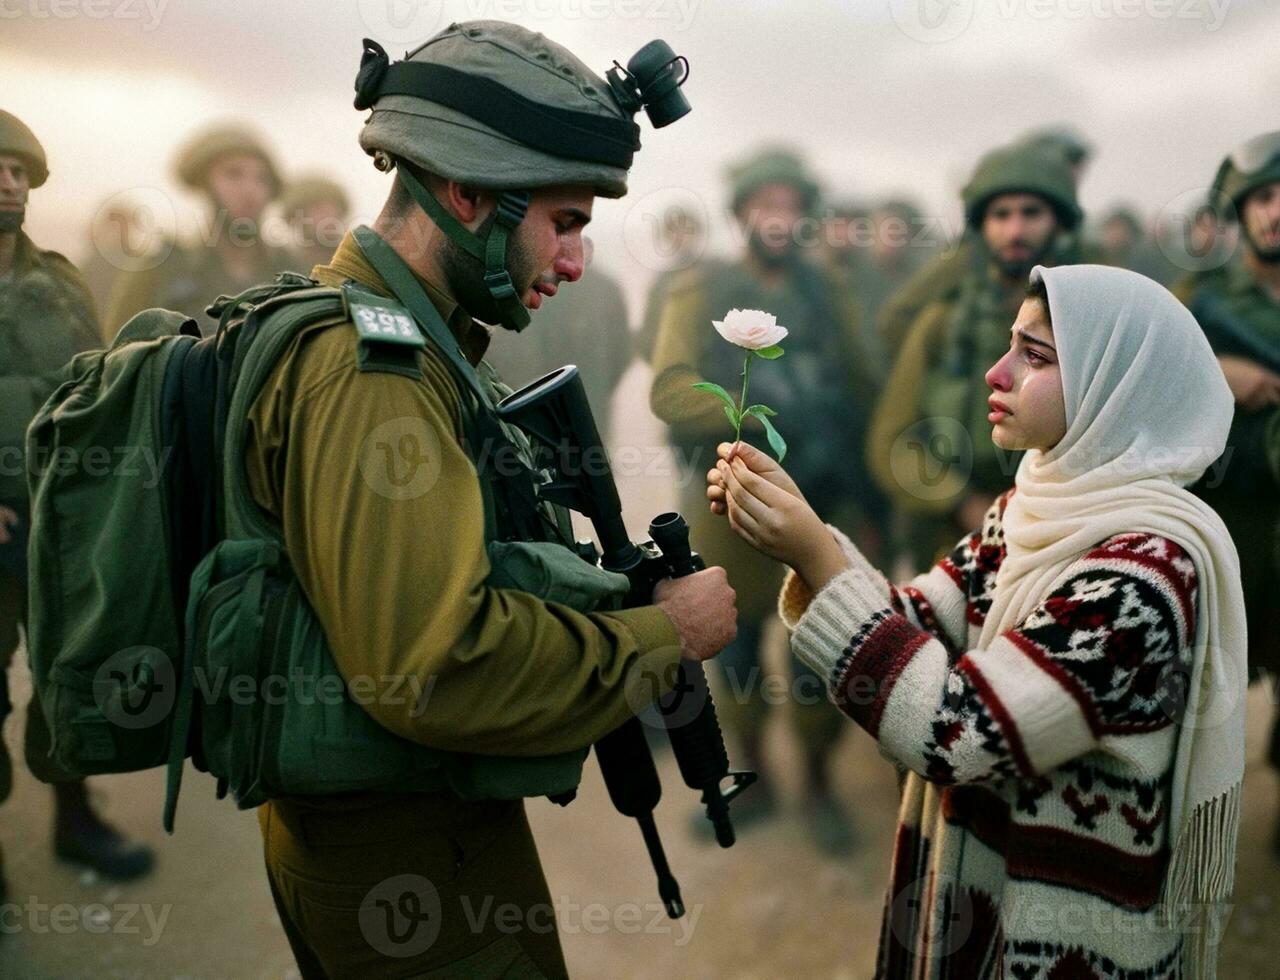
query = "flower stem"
x=746 y=376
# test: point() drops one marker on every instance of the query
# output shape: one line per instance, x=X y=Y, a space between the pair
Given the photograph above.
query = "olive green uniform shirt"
x=47 y=316
x=399 y=584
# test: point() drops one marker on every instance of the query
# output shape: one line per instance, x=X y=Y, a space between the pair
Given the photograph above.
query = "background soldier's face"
x=322 y=223
x=1260 y=218
x=15 y=186
x=1018 y=229
x=771 y=217
x=241 y=185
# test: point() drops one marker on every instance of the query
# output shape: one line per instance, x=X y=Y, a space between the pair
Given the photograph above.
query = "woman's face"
x=1027 y=407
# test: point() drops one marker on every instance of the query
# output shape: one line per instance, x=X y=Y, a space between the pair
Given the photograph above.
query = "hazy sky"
x=885 y=96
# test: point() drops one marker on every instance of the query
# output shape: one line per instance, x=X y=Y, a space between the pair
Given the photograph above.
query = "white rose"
x=751 y=329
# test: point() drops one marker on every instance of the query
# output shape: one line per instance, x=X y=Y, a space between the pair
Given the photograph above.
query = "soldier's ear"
x=467 y=203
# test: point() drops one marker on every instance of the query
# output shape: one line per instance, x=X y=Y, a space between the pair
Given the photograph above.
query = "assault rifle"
x=555 y=413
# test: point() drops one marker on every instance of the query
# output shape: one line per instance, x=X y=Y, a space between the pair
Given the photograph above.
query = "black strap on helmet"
x=561 y=132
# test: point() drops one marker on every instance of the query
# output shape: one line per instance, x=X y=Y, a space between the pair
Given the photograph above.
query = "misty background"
x=884 y=96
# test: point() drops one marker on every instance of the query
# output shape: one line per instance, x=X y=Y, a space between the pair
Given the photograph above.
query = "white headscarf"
x=1147 y=411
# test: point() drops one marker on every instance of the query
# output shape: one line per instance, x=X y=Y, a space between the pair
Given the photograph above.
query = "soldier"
x=892 y=255
x=586 y=326
x=821 y=386
x=316 y=210
x=1122 y=242
x=930 y=443
x=46 y=317
x=231 y=168
x=1239 y=309
x=679 y=240
x=944 y=273
x=483 y=223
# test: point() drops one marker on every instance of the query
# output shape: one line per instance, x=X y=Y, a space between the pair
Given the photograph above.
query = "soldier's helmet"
x=198 y=154
x=307 y=190
x=1254 y=164
x=498 y=106
x=1063 y=140
x=17 y=140
x=1025 y=169
x=772 y=165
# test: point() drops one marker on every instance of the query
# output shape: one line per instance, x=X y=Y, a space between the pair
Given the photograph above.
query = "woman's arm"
x=1097 y=657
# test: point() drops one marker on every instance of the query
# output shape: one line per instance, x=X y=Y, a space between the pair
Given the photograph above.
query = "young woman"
x=1066 y=688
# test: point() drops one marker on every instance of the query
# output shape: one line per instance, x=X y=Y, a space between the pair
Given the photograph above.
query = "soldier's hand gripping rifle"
x=555 y=412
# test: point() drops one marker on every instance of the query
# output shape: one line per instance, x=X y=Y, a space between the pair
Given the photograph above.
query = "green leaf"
x=732 y=412
x=776 y=441
x=770 y=353
x=715 y=389
x=760 y=411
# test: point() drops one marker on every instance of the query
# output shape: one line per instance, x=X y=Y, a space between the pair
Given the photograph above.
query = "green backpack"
x=162 y=615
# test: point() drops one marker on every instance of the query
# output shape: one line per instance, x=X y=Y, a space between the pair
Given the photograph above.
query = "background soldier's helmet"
x=1022 y=169
x=17 y=140
x=1252 y=165
x=1063 y=140
x=309 y=189
x=198 y=154
x=774 y=165
x=547 y=118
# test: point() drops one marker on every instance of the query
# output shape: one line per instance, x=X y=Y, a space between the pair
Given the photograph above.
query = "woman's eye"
x=1036 y=358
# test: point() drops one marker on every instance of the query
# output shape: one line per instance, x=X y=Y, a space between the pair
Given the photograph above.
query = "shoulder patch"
x=389 y=337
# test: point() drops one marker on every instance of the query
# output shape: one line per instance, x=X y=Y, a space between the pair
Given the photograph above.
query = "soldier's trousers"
x=36 y=741
x=745 y=694
x=422 y=886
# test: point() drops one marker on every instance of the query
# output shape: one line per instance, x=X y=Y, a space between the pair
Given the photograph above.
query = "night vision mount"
x=652 y=81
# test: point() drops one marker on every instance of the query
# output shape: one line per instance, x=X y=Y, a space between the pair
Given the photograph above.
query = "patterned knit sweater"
x=1032 y=840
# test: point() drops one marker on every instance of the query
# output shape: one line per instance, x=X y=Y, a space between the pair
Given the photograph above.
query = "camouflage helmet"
x=772 y=165
x=1021 y=169
x=497 y=106
x=197 y=155
x=309 y=189
x=1063 y=140
x=1252 y=165
x=18 y=140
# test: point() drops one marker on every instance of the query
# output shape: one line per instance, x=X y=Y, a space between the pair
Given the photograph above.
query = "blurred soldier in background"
x=680 y=238
x=585 y=324
x=1239 y=309
x=114 y=233
x=944 y=273
x=231 y=168
x=1122 y=242
x=46 y=317
x=316 y=209
x=930 y=443
x=846 y=231
x=891 y=257
x=821 y=389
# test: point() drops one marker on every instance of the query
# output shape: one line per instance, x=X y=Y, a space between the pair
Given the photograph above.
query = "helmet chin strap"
x=492 y=251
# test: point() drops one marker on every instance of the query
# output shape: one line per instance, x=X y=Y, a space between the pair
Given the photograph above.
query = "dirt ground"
x=770 y=907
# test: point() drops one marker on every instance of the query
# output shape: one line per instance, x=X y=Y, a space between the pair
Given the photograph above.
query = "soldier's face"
x=1260 y=218
x=320 y=224
x=240 y=184
x=1028 y=410
x=548 y=246
x=15 y=187
x=771 y=217
x=1018 y=229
